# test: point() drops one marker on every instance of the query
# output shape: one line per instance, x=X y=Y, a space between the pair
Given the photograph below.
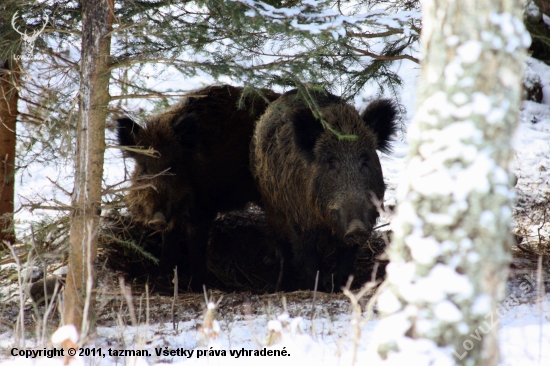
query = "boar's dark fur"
x=316 y=189
x=201 y=168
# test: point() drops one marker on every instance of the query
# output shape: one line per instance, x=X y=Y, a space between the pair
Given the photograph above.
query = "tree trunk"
x=450 y=254
x=9 y=95
x=97 y=18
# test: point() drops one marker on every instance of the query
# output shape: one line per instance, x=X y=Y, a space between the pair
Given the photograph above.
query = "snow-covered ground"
x=329 y=340
x=524 y=339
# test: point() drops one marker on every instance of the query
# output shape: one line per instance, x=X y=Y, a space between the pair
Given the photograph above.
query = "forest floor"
x=240 y=283
x=151 y=318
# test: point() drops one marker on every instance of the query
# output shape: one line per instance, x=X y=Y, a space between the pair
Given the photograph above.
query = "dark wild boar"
x=316 y=189
x=201 y=168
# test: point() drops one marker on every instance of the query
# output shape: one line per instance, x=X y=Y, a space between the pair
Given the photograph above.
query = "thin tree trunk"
x=9 y=95
x=450 y=254
x=97 y=21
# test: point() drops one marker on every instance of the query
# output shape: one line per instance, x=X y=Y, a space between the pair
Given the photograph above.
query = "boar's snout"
x=356 y=233
x=158 y=222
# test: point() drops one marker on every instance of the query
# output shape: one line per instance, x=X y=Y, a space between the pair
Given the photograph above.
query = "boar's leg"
x=307 y=261
x=197 y=241
x=172 y=243
x=345 y=260
x=311 y=265
x=284 y=252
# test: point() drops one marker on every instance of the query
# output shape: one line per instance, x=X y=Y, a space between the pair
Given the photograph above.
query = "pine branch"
x=385 y=58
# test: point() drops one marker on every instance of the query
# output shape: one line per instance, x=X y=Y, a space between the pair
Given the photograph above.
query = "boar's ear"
x=306 y=131
x=127 y=131
x=381 y=117
x=186 y=128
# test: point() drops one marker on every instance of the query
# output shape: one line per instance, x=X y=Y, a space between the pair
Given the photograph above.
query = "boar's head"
x=345 y=174
x=160 y=181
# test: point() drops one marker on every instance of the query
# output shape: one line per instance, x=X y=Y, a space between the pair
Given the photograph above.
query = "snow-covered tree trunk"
x=9 y=95
x=97 y=18
x=450 y=254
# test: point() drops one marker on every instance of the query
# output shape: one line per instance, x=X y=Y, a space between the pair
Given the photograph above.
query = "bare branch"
x=149 y=152
x=58 y=186
x=33 y=207
x=145 y=96
x=133 y=188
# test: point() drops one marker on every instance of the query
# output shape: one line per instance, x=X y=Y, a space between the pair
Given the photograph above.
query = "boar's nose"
x=158 y=222
x=356 y=233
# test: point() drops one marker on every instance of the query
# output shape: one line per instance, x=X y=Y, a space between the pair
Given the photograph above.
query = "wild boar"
x=200 y=168
x=318 y=189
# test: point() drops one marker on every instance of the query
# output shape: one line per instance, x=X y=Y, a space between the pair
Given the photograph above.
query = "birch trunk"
x=97 y=20
x=9 y=95
x=450 y=254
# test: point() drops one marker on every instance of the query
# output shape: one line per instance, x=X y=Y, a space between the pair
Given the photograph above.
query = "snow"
x=531 y=9
x=469 y=52
x=388 y=302
x=65 y=333
x=459 y=182
x=447 y=312
x=481 y=104
x=524 y=329
x=482 y=304
x=317 y=16
x=452 y=41
x=513 y=29
x=424 y=250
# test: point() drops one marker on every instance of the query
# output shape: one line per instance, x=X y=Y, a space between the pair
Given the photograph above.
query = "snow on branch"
x=315 y=17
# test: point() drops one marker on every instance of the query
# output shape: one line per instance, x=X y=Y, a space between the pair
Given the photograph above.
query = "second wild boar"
x=200 y=168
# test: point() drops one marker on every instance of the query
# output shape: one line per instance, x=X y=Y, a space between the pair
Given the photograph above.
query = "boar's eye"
x=364 y=162
x=333 y=164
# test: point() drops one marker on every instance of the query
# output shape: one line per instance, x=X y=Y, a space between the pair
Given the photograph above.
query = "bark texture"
x=449 y=258
x=97 y=19
x=9 y=95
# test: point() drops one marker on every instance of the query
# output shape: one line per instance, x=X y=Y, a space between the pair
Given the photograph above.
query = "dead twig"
x=526 y=250
x=314 y=296
x=174 y=315
x=139 y=150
